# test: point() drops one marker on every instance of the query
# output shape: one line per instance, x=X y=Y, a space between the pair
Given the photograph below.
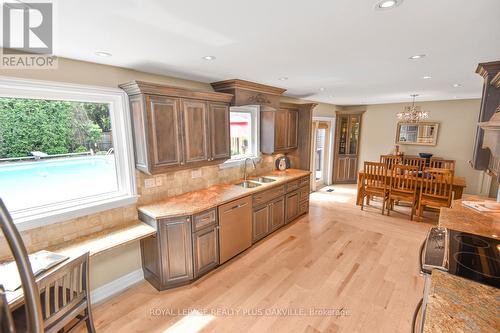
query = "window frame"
x=122 y=143
x=254 y=111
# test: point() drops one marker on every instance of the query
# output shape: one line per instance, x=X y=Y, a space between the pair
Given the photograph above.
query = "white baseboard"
x=116 y=286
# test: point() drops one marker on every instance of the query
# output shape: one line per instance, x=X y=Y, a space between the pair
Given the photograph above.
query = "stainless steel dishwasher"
x=235 y=228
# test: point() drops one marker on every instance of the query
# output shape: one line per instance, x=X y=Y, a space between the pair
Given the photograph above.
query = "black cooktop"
x=474 y=257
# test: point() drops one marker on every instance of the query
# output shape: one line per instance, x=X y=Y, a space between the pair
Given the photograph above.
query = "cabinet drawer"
x=268 y=195
x=304 y=207
x=304 y=193
x=204 y=219
x=304 y=181
x=293 y=185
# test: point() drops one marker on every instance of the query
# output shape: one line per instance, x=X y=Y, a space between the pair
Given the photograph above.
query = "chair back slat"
x=437 y=183
x=61 y=291
x=436 y=163
x=414 y=161
x=404 y=178
x=375 y=174
x=390 y=160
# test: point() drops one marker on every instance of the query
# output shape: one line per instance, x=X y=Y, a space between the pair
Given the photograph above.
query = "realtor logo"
x=27 y=35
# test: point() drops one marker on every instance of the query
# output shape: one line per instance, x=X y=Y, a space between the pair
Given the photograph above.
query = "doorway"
x=322 y=151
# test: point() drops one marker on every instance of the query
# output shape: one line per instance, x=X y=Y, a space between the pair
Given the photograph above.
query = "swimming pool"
x=38 y=183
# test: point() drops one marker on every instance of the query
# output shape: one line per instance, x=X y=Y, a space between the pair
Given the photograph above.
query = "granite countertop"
x=459 y=305
x=456 y=304
x=201 y=200
x=469 y=220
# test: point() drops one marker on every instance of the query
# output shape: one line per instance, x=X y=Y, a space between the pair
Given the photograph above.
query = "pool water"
x=33 y=184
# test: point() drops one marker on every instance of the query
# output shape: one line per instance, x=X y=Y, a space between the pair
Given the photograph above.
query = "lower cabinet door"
x=277 y=212
x=260 y=223
x=205 y=250
x=176 y=250
x=292 y=206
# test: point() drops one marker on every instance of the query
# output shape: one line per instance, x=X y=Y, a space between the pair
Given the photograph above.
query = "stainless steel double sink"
x=255 y=182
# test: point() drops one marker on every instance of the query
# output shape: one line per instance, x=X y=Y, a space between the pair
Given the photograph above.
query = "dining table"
x=457 y=187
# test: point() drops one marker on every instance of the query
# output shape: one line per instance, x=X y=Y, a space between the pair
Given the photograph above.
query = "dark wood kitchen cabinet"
x=292 y=206
x=279 y=130
x=205 y=250
x=176 y=251
x=175 y=128
x=195 y=131
x=219 y=131
x=261 y=222
x=183 y=249
x=277 y=214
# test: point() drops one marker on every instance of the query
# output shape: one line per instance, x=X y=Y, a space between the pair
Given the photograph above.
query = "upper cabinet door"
x=219 y=131
x=293 y=117
x=281 y=129
x=195 y=131
x=164 y=135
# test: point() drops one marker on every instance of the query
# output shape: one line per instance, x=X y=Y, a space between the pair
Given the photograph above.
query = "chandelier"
x=412 y=114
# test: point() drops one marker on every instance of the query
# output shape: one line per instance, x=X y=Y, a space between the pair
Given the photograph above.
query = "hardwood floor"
x=336 y=257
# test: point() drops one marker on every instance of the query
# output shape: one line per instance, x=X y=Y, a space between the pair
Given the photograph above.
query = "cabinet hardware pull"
x=235 y=207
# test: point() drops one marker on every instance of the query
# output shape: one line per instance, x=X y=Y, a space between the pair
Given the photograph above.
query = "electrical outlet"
x=149 y=182
x=196 y=173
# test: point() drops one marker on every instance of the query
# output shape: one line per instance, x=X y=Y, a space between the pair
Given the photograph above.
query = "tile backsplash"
x=149 y=189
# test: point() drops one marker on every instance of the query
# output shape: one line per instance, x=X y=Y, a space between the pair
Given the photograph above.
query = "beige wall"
x=108 y=266
x=458 y=120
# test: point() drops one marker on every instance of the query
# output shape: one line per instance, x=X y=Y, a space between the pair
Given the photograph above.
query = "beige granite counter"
x=201 y=200
x=459 y=305
x=456 y=304
x=469 y=220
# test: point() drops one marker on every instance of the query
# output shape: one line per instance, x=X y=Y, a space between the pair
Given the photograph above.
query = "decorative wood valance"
x=141 y=87
x=250 y=93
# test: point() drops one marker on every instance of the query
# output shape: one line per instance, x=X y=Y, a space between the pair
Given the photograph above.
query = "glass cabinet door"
x=353 y=134
x=344 y=125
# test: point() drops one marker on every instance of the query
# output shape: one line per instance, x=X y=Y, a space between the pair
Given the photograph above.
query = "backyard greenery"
x=53 y=127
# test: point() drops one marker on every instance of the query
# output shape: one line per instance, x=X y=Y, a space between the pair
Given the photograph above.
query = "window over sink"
x=64 y=151
x=244 y=133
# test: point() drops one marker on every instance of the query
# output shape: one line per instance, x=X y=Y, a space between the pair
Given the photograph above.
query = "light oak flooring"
x=336 y=257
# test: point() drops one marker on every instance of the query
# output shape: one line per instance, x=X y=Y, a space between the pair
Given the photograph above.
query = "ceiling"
x=334 y=51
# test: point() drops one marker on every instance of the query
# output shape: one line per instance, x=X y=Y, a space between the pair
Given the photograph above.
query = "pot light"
x=103 y=54
x=418 y=56
x=456 y=85
x=209 y=58
x=321 y=89
x=427 y=77
x=284 y=78
x=386 y=4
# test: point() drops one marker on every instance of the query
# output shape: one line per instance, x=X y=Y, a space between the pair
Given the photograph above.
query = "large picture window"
x=64 y=151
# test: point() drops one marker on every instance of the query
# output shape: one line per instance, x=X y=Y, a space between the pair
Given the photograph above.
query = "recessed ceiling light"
x=386 y=4
x=456 y=85
x=321 y=89
x=103 y=54
x=418 y=56
x=284 y=78
x=427 y=77
x=209 y=58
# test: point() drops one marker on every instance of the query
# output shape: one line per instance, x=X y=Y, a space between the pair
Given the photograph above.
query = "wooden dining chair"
x=403 y=187
x=435 y=188
x=374 y=183
x=414 y=161
x=437 y=163
x=64 y=297
x=390 y=160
